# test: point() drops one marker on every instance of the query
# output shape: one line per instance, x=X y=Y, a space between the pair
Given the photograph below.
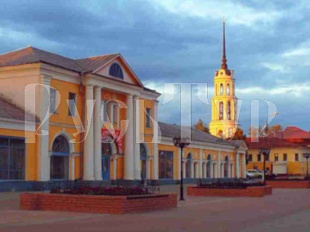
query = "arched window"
x=59 y=168
x=116 y=71
x=228 y=111
x=228 y=89
x=221 y=111
x=189 y=166
x=221 y=89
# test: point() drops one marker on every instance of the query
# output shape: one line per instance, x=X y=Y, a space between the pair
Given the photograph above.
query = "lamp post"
x=181 y=143
x=265 y=150
x=307 y=156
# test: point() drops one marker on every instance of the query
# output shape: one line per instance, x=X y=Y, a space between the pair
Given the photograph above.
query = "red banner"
x=117 y=137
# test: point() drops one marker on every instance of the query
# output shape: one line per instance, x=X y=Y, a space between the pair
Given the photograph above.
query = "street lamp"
x=265 y=150
x=307 y=156
x=181 y=143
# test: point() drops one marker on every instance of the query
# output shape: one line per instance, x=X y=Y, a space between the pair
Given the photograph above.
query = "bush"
x=110 y=191
x=229 y=183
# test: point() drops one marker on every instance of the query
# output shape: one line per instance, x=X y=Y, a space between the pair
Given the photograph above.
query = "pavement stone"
x=285 y=210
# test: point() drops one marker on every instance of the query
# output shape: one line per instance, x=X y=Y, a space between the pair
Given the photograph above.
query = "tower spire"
x=224 y=60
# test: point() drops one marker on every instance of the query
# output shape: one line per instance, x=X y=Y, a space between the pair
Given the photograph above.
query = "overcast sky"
x=180 y=42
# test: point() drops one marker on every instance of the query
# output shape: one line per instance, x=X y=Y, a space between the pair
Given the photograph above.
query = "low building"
x=285 y=157
x=93 y=119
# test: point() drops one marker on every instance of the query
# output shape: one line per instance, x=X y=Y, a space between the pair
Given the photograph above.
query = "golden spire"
x=224 y=60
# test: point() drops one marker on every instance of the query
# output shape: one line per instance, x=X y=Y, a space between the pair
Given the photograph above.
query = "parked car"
x=254 y=173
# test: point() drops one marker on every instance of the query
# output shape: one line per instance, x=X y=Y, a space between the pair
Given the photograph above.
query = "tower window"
x=221 y=89
x=228 y=111
x=221 y=111
x=116 y=71
x=228 y=89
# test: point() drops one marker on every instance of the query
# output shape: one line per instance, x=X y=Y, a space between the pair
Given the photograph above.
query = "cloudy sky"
x=180 y=42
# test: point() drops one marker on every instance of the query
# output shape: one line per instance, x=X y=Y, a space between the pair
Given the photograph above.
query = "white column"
x=219 y=174
x=200 y=164
x=192 y=169
x=211 y=169
x=233 y=171
x=237 y=165
x=155 y=141
x=88 y=162
x=72 y=165
x=137 y=138
x=148 y=168
x=243 y=165
x=43 y=138
x=129 y=156
x=97 y=134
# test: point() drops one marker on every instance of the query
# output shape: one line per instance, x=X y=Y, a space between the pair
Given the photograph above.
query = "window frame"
x=171 y=155
x=148 y=112
x=297 y=157
x=70 y=114
x=285 y=157
x=51 y=110
x=276 y=157
x=259 y=158
x=7 y=167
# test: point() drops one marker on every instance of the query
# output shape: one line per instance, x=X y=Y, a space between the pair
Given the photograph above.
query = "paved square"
x=285 y=210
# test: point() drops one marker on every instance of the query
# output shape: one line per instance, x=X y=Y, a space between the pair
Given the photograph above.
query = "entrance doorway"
x=105 y=159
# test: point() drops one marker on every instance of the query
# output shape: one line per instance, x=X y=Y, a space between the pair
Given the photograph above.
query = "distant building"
x=71 y=125
x=287 y=149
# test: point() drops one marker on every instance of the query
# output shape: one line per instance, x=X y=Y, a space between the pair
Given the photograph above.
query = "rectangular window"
x=72 y=100
x=250 y=158
x=296 y=157
x=52 y=101
x=267 y=157
x=12 y=159
x=148 y=117
x=104 y=108
x=259 y=157
x=276 y=157
x=284 y=157
x=165 y=164
x=114 y=113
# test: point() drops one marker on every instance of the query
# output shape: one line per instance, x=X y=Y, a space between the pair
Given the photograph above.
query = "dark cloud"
x=162 y=46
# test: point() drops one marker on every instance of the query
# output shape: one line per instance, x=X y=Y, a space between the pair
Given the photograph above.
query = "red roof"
x=269 y=142
x=291 y=132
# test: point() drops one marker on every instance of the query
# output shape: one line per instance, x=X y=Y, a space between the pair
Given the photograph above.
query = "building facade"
x=92 y=119
x=285 y=157
x=224 y=103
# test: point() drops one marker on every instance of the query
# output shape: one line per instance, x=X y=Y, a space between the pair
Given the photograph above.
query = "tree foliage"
x=239 y=134
x=256 y=132
x=200 y=125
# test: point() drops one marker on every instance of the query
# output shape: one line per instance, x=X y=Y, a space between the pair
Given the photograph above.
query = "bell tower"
x=224 y=103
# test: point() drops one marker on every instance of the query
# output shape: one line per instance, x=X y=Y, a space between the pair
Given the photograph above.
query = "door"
x=105 y=167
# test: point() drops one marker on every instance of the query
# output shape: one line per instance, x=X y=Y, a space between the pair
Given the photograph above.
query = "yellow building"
x=285 y=157
x=93 y=119
x=224 y=103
